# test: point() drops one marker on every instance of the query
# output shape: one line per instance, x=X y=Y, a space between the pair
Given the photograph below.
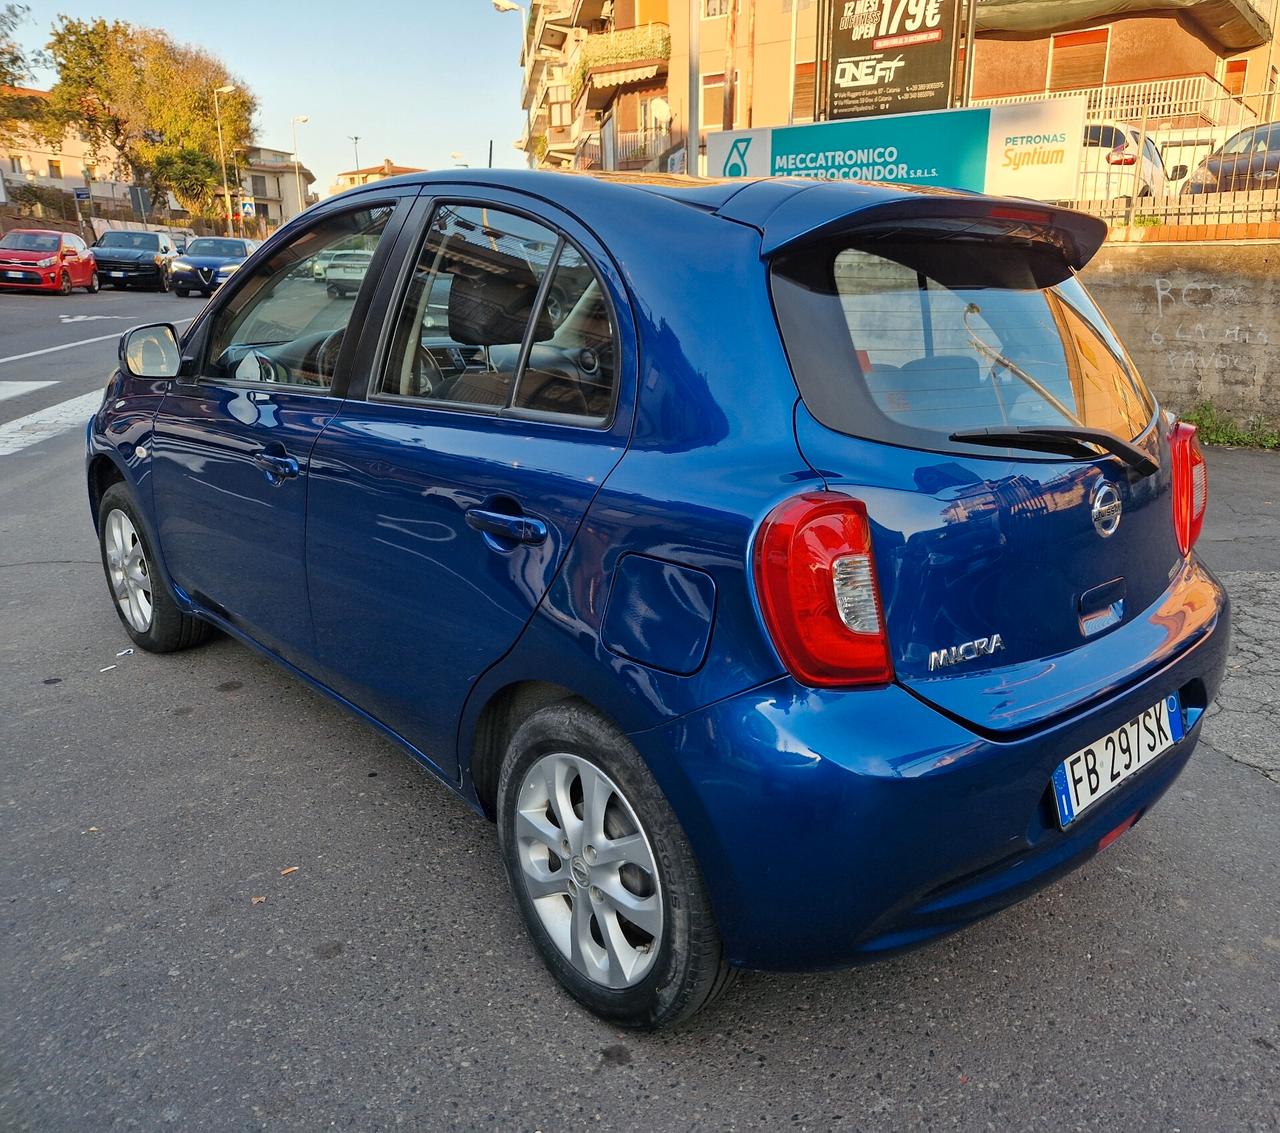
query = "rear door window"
x=911 y=342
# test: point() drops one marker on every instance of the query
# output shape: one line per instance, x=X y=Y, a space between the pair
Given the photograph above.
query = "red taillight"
x=1190 y=484
x=816 y=578
x=1121 y=156
x=1030 y=216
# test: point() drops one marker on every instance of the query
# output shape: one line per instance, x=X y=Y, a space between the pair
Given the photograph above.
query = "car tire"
x=181 y=292
x=333 y=291
x=64 y=284
x=163 y=284
x=94 y=285
x=142 y=598
x=646 y=975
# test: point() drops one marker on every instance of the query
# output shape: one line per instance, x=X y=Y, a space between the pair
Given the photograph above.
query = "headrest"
x=493 y=310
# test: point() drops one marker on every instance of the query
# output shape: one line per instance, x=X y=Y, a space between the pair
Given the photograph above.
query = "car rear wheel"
x=94 y=285
x=333 y=291
x=603 y=874
x=142 y=599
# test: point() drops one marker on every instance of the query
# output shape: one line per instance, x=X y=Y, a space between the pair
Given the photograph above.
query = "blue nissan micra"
x=794 y=571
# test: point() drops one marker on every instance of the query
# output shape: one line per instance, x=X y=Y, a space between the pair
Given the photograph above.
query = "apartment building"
x=67 y=164
x=278 y=188
x=1194 y=71
x=595 y=84
x=350 y=178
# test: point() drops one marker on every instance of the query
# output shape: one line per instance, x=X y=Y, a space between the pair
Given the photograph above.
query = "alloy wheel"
x=589 y=870
x=128 y=570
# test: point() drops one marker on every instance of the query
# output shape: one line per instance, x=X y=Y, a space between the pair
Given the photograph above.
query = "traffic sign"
x=247 y=209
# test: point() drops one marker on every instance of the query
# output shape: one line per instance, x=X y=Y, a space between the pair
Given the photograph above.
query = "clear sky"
x=415 y=79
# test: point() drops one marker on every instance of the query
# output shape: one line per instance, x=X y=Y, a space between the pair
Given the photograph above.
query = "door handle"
x=516 y=528
x=278 y=468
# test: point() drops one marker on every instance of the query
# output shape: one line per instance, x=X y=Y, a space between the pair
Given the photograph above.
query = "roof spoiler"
x=813 y=215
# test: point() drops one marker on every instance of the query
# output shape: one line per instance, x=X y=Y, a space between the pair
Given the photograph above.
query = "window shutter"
x=802 y=103
x=1078 y=59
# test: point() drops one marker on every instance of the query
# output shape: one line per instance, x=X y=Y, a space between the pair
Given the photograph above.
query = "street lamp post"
x=222 y=156
x=297 y=168
x=355 y=145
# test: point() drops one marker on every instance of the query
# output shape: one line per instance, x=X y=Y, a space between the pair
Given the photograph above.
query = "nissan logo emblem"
x=1106 y=509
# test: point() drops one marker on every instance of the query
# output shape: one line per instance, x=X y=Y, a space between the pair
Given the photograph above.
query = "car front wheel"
x=142 y=599
x=603 y=874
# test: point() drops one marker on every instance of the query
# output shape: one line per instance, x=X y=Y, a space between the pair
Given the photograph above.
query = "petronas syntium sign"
x=890 y=56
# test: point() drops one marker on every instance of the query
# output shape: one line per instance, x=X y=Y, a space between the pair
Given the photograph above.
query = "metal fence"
x=1179 y=152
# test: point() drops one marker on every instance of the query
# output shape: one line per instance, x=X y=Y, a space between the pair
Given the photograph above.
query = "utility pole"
x=222 y=155
x=970 y=30
x=355 y=144
x=490 y=153
x=297 y=166
x=693 y=142
x=751 y=58
x=730 y=58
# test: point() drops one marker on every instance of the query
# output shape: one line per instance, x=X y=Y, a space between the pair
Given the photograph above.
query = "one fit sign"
x=890 y=56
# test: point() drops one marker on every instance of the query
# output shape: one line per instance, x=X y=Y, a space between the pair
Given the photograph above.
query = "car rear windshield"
x=909 y=342
x=142 y=241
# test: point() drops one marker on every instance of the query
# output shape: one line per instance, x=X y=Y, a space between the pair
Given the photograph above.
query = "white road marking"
x=73 y=345
x=17 y=389
x=45 y=423
x=64 y=319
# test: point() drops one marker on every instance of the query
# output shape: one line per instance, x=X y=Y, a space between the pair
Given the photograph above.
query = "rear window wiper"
x=1070 y=440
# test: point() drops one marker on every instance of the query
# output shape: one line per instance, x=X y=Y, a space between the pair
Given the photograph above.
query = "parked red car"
x=44 y=260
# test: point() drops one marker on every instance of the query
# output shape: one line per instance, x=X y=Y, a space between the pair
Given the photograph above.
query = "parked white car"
x=346 y=271
x=1120 y=163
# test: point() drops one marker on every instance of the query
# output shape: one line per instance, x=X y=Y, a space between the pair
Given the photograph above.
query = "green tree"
x=192 y=176
x=136 y=91
x=17 y=110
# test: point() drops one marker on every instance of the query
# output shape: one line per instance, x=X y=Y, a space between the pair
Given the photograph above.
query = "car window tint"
x=572 y=371
x=1107 y=136
x=934 y=338
x=469 y=304
x=285 y=326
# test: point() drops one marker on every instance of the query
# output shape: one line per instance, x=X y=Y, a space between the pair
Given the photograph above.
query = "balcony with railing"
x=634 y=149
x=1186 y=100
x=603 y=64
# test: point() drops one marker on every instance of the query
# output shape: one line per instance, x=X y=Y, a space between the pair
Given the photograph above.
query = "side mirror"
x=1178 y=173
x=151 y=351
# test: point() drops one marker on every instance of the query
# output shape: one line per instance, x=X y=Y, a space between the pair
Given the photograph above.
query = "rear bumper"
x=833 y=827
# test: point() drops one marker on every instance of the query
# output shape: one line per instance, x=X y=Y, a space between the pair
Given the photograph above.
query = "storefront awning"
x=1235 y=25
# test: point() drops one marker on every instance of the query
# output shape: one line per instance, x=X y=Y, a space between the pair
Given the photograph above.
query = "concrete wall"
x=1202 y=321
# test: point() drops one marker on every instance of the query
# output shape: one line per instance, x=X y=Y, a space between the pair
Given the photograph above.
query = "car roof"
x=785 y=210
x=41 y=231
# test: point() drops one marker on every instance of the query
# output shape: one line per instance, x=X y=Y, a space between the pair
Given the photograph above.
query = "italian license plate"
x=116 y=274
x=1090 y=774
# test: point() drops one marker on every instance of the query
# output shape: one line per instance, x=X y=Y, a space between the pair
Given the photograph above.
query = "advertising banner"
x=890 y=56
x=1030 y=149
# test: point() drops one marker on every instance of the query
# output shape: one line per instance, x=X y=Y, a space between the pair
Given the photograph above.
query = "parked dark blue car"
x=795 y=571
x=207 y=263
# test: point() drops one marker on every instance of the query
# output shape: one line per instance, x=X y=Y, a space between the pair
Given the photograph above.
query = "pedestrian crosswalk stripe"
x=17 y=389
x=45 y=423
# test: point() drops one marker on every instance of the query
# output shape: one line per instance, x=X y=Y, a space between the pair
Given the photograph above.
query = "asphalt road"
x=145 y=801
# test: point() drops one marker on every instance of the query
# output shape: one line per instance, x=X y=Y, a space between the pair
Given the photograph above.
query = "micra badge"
x=969 y=651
